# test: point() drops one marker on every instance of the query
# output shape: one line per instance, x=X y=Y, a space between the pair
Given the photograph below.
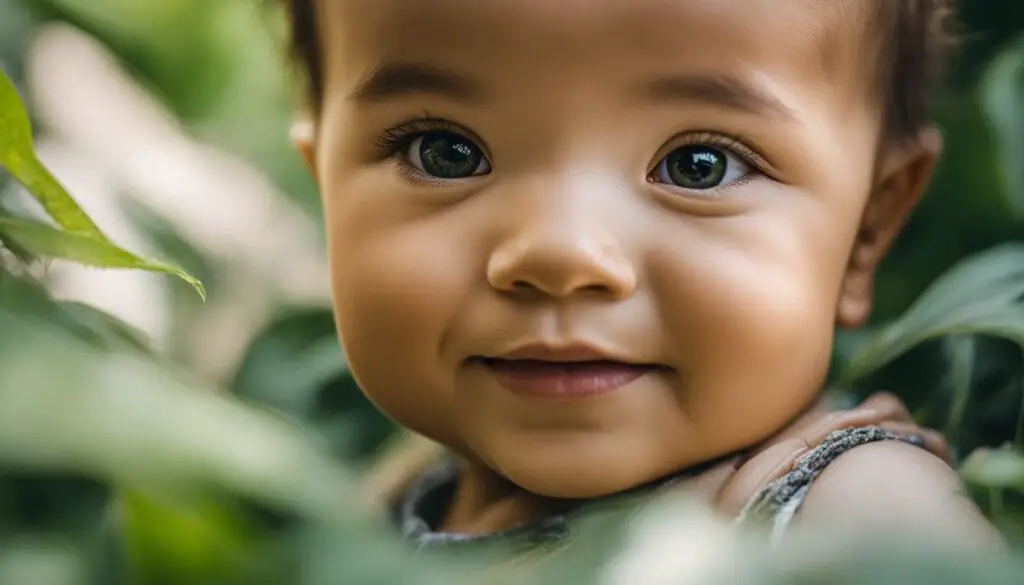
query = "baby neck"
x=486 y=503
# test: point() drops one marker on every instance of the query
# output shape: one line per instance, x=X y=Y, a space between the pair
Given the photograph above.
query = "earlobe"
x=303 y=137
x=856 y=298
x=903 y=177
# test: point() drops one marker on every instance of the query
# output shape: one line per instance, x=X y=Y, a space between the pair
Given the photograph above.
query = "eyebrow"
x=395 y=80
x=724 y=90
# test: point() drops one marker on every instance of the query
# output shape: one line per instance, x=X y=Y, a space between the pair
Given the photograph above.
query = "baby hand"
x=731 y=484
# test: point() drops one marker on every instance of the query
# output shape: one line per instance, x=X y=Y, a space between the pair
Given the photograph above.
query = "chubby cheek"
x=751 y=320
x=396 y=287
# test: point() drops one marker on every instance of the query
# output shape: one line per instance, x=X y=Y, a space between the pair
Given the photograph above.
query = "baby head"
x=585 y=244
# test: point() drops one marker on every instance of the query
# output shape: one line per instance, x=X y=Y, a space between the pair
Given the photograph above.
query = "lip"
x=567 y=354
x=563 y=372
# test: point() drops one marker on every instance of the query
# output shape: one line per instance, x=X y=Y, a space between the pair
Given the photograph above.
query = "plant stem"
x=961 y=350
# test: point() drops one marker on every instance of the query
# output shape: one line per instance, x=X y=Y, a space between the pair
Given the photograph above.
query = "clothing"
x=422 y=509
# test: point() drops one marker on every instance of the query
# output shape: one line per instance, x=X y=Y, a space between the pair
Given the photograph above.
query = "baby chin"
x=582 y=464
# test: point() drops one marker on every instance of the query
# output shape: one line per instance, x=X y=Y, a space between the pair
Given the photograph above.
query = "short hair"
x=913 y=41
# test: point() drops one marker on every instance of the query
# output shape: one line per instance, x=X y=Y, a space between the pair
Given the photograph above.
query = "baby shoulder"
x=891 y=486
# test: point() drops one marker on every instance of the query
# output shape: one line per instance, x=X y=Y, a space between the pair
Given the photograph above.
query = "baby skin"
x=586 y=245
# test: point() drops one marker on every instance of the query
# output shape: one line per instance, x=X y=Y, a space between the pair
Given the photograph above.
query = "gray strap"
x=778 y=503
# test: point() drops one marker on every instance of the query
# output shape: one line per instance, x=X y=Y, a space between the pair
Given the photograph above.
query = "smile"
x=572 y=372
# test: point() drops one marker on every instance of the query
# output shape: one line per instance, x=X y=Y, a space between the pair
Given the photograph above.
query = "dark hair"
x=914 y=37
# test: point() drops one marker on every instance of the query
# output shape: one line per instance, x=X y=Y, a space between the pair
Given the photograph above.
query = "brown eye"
x=445 y=155
x=699 y=168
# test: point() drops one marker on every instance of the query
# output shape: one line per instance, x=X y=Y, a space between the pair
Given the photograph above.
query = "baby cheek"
x=789 y=349
x=755 y=344
x=395 y=294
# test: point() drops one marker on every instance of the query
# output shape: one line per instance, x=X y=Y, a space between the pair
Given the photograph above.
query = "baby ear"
x=303 y=137
x=902 y=178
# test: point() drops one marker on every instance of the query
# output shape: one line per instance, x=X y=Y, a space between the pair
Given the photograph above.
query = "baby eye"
x=698 y=167
x=445 y=155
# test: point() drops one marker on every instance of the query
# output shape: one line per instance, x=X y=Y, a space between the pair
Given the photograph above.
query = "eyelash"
x=396 y=139
x=393 y=141
x=733 y=144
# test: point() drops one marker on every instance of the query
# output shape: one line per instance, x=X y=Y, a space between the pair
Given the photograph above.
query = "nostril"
x=526 y=287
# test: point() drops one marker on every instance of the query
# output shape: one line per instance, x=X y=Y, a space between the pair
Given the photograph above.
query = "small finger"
x=882 y=398
x=888 y=405
x=931 y=440
x=877 y=409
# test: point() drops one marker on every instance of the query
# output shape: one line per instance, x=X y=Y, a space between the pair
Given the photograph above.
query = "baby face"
x=587 y=244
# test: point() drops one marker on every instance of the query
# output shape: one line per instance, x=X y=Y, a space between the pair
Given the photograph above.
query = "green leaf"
x=191 y=461
x=81 y=241
x=994 y=468
x=43 y=240
x=296 y=365
x=1002 y=97
x=287 y=364
x=178 y=542
x=105 y=326
x=979 y=296
x=29 y=298
x=18 y=157
x=28 y=560
x=127 y=419
x=888 y=561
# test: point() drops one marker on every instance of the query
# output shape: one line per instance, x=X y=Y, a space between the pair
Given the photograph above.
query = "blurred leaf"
x=16 y=30
x=80 y=241
x=50 y=503
x=192 y=60
x=995 y=468
x=104 y=325
x=171 y=542
x=980 y=295
x=889 y=562
x=1002 y=90
x=120 y=416
x=295 y=365
x=37 y=561
x=184 y=454
x=121 y=15
x=28 y=298
x=327 y=556
x=290 y=360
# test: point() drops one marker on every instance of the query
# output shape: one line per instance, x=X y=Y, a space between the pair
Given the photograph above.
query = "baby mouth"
x=563 y=379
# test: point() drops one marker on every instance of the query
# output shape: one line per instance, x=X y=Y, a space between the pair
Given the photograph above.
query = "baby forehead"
x=800 y=32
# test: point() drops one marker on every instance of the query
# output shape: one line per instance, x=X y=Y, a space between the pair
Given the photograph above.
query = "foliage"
x=296 y=366
x=1002 y=96
x=77 y=238
x=981 y=296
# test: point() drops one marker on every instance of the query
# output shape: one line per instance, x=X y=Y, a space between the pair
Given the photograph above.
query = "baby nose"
x=562 y=253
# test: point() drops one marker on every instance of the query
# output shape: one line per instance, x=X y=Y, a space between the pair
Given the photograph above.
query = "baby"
x=596 y=246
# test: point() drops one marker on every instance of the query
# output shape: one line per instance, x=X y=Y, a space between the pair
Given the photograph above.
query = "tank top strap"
x=778 y=503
